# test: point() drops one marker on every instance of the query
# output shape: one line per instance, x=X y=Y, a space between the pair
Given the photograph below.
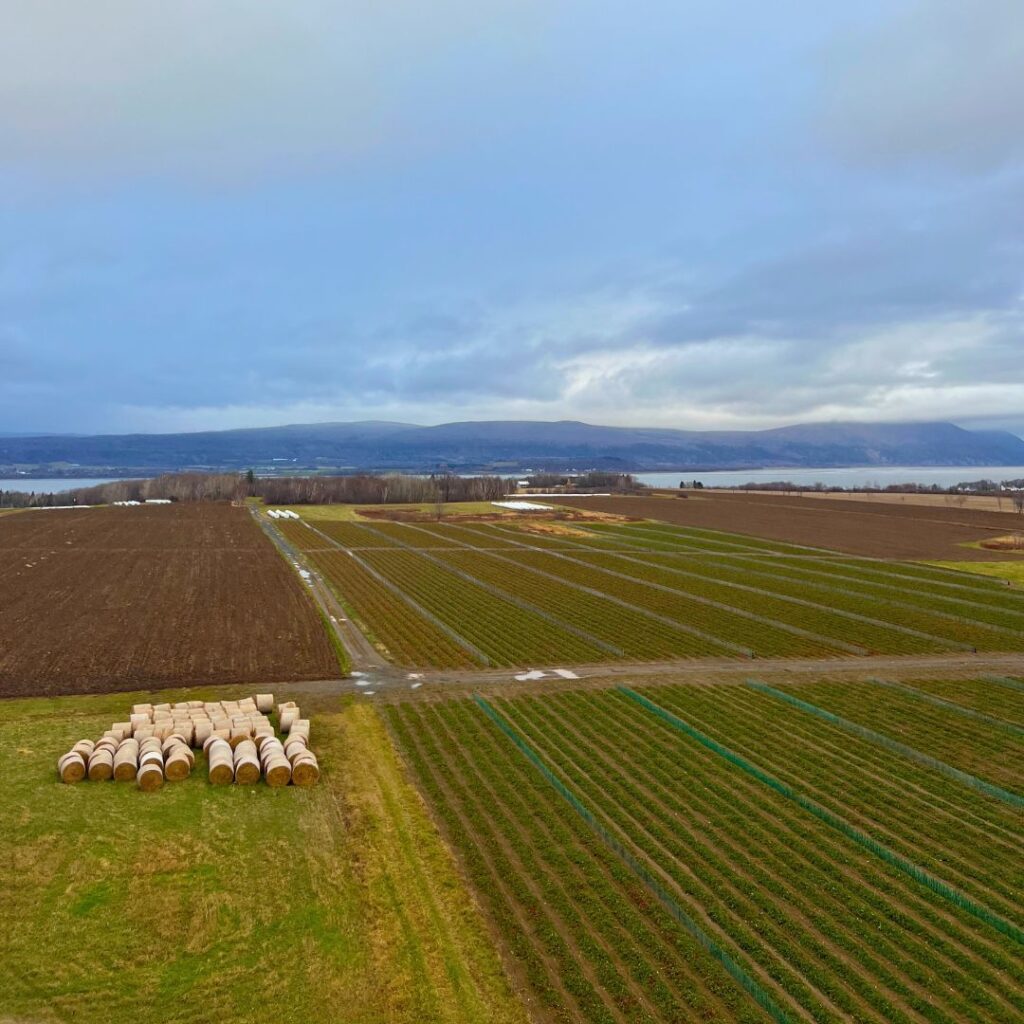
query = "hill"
x=509 y=446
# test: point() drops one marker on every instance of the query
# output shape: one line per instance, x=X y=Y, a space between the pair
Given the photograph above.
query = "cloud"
x=939 y=83
x=232 y=88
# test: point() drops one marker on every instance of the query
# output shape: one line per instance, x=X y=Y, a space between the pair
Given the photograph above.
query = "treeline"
x=386 y=489
x=173 y=486
x=596 y=480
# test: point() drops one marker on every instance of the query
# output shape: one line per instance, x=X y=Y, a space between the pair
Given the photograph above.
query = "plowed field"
x=107 y=599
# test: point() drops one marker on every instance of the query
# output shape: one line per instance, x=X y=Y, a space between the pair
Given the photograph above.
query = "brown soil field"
x=105 y=599
x=872 y=529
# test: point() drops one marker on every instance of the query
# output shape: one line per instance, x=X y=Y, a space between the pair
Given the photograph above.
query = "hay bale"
x=151 y=757
x=71 y=767
x=247 y=771
x=265 y=703
x=126 y=765
x=305 y=769
x=143 y=709
x=277 y=771
x=150 y=777
x=85 y=748
x=177 y=766
x=101 y=765
x=295 y=745
x=288 y=717
x=222 y=770
x=144 y=731
x=300 y=727
x=239 y=734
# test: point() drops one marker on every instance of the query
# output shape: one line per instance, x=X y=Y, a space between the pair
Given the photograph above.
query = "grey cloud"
x=940 y=82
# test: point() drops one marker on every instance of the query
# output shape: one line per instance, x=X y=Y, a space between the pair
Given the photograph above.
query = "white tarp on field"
x=522 y=506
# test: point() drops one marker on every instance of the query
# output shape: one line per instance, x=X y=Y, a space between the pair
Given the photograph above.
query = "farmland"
x=485 y=593
x=233 y=904
x=719 y=852
x=114 y=598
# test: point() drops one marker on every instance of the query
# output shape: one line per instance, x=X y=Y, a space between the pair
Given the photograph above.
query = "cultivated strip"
x=949 y=705
x=881 y=851
x=1013 y=799
x=751 y=987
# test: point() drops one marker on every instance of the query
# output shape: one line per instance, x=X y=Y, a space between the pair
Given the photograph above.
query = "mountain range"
x=507 y=446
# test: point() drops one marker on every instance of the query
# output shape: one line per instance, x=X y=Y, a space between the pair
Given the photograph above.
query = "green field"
x=231 y=904
x=723 y=855
x=481 y=593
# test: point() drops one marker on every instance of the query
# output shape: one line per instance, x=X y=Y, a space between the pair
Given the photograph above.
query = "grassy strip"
x=951 y=705
x=881 y=851
x=243 y=905
x=1013 y=684
x=335 y=641
x=755 y=991
x=1007 y=797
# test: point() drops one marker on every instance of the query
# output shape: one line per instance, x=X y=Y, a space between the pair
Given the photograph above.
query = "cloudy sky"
x=656 y=213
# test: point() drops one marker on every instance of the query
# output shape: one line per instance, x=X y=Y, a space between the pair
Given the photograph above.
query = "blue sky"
x=693 y=215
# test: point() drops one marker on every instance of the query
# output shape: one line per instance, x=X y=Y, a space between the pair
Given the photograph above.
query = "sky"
x=696 y=215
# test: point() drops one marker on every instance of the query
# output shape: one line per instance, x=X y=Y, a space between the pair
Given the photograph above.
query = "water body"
x=869 y=476
x=55 y=485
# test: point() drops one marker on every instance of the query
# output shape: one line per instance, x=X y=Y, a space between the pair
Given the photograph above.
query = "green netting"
x=988 y=788
x=951 y=705
x=1013 y=684
x=749 y=985
x=861 y=838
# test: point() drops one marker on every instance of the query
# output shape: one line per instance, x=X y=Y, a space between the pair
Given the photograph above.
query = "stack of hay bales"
x=156 y=744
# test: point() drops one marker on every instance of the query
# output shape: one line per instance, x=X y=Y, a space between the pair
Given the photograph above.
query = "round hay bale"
x=288 y=717
x=177 y=767
x=295 y=745
x=221 y=773
x=247 y=771
x=195 y=705
x=305 y=770
x=144 y=731
x=151 y=757
x=101 y=765
x=142 y=709
x=265 y=703
x=300 y=727
x=84 y=747
x=71 y=767
x=129 y=744
x=137 y=719
x=126 y=766
x=150 y=777
x=106 y=745
x=245 y=749
x=238 y=736
x=277 y=771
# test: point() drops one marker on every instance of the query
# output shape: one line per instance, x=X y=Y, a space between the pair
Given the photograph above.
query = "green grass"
x=227 y=903
x=1012 y=572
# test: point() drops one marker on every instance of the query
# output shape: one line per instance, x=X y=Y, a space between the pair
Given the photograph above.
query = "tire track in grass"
x=988 y=788
x=950 y=705
x=739 y=975
x=470 y=648
x=504 y=595
x=881 y=851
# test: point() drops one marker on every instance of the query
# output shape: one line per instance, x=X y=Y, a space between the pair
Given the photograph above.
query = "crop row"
x=407 y=637
x=840 y=933
x=935 y=822
x=985 y=695
x=506 y=633
x=975 y=747
x=591 y=942
x=887 y=606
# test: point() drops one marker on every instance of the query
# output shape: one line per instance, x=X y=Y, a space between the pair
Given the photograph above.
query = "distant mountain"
x=511 y=447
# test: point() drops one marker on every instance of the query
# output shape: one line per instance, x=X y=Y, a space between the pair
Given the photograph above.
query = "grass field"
x=232 y=904
x=452 y=594
x=725 y=855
